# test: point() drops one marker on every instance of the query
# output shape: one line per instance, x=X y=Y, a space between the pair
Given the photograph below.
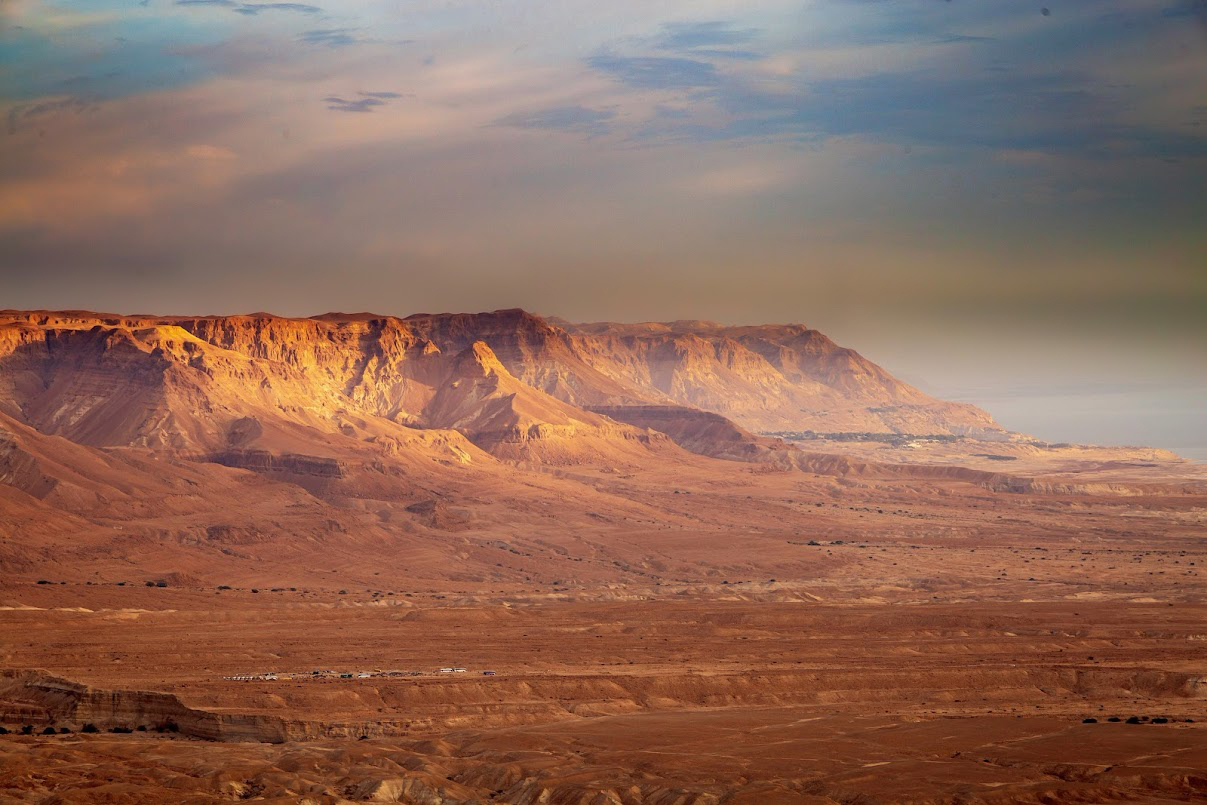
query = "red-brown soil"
x=676 y=609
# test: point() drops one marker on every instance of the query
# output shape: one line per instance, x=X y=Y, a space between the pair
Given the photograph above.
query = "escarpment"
x=763 y=378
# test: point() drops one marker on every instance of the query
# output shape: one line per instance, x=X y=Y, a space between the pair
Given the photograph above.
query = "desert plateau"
x=501 y=558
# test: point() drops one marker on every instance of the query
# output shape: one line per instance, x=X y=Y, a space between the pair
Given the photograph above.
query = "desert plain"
x=497 y=558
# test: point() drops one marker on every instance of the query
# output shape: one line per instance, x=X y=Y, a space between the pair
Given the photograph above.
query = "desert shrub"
x=1089 y=721
x=3 y=731
x=150 y=583
x=121 y=730
x=64 y=731
x=50 y=731
x=27 y=729
x=142 y=727
x=161 y=584
x=1134 y=720
x=44 y=581
x=90 y=729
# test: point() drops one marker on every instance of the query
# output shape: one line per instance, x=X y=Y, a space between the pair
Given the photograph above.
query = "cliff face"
x=182 y=383
x=773 y=377
x=37 y=698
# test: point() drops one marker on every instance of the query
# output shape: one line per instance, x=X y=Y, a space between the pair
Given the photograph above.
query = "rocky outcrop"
x=513 y=420
x=37 y=698
x=263 y=461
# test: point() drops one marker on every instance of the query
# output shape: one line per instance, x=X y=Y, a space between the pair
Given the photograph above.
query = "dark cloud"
x=655 y=72
x=714 y=39
x=332 y=37
x=1057 y=112
x=26 y=112
x=364 y=102
x=987 y=97
x=577 y=119
x=954 y=39
x=252 y=9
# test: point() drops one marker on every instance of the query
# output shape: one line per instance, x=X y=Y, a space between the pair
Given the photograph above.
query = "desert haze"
x=499 y=557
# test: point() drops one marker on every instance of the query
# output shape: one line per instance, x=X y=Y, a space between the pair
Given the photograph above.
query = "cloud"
x=657 y=72
x=332 y=37
x=366 y=102
x=688 y=35
x=22 y=113
x=712 y=39
x=252 y=9
x=577 y=119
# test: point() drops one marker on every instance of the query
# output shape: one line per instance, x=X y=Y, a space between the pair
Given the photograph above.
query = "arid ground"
x=263 y=569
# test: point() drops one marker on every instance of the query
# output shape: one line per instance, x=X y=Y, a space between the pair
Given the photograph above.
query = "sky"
x=1002 y=202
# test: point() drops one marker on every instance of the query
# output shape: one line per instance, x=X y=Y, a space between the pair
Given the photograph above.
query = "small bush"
x=142 y=727
x=121 y=730
x=150 y=583
x=1089 y=721
x=27 y=729
x=50 y=731
x=44 y=581
x=1134 y=720
x=64 y=731
x=3 y=731
x=161 y=584
x=90 y=729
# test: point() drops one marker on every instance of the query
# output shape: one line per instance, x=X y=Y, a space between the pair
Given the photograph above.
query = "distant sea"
x=1171 y=418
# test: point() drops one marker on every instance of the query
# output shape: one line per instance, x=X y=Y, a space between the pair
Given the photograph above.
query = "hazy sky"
x=998 y=200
